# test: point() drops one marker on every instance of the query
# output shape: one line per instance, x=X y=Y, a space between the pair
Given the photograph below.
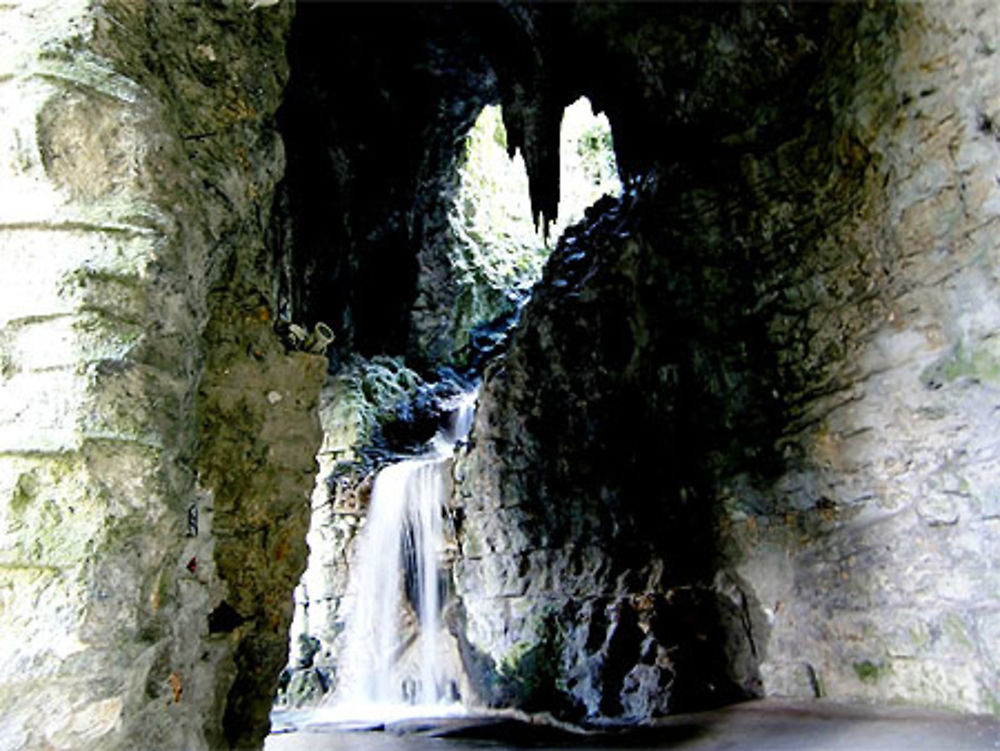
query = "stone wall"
x=874 y=555
x=741 y=443
x=140 y=160
x=586 y=571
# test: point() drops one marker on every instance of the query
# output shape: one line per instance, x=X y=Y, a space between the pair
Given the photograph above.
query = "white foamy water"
x=391 y=666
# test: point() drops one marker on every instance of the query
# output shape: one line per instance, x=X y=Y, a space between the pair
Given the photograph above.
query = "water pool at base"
x=769 y=725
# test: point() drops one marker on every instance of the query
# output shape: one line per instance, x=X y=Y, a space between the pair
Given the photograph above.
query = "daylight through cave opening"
x=496 y=251
x=497 y=241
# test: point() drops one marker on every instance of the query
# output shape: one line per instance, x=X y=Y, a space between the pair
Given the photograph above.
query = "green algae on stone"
x=870 y=672
x=979 y=363
x=24 y=493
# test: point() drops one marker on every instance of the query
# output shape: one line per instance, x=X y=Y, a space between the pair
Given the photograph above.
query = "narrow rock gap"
x=494 y=252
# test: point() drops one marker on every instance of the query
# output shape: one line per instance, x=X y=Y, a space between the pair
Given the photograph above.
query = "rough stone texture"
x=140 y=159
x=874 y=555
x=586 y=568
x=257 y=458
x=742 y=441
x=764 y=390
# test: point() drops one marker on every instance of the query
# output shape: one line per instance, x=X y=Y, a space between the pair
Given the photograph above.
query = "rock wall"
x=741 y=443
x=259 y=435
x=874 y=555
x=587 y=565
x=140 y=161
x=367 y=231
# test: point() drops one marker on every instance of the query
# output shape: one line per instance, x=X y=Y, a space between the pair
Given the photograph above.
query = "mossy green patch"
x=979 y=362
x=870 y=672
x=958 y=631
x=531 y=671
x=55 y=515
x=366 y=397
x=530 y=674
x=24 y=493
x=992 y=701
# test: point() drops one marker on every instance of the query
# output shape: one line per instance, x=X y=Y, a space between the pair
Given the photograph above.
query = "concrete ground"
x=755 y=726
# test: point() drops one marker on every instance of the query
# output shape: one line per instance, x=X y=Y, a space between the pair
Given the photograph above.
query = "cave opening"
x=493 y=254
x=382 y=232
x=497 y=241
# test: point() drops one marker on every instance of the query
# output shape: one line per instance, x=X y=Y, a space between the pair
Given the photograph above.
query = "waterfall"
x=395 y=659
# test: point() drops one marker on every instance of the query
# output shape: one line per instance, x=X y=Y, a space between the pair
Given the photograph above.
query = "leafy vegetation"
x=497 y=248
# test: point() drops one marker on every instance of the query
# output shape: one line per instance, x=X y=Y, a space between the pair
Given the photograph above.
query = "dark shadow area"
x=643 y=375
x=379 y=100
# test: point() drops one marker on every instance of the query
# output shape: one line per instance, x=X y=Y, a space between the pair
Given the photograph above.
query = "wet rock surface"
x=587 y=577
x=141 y=158
x=372 y=412
x=778 y=725
x=740 y=391
x=739 y=444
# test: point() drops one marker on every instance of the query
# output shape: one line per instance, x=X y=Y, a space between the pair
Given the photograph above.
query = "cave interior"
x=736 y=444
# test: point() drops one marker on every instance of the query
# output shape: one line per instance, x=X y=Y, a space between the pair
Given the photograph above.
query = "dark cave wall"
x=361 y=228
x=644 y=376
x=378 y=105
x=722 y=457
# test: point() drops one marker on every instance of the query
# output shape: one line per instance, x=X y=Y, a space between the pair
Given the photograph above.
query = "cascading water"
x=396 y=655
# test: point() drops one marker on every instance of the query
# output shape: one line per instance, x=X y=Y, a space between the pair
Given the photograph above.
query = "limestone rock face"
x=257 y=460
x=740 y=443
x=140 y=158
x=587 y=553
x=874 y=552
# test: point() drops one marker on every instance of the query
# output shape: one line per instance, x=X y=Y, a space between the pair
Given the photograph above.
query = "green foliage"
x=587 y=169
x=869 y=672
x=496 y=242
x=386 y=380
x=597 y=154
x=496 y=254
x=368 y=394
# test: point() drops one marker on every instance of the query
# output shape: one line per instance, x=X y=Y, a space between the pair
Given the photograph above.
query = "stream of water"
x=398 y=661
